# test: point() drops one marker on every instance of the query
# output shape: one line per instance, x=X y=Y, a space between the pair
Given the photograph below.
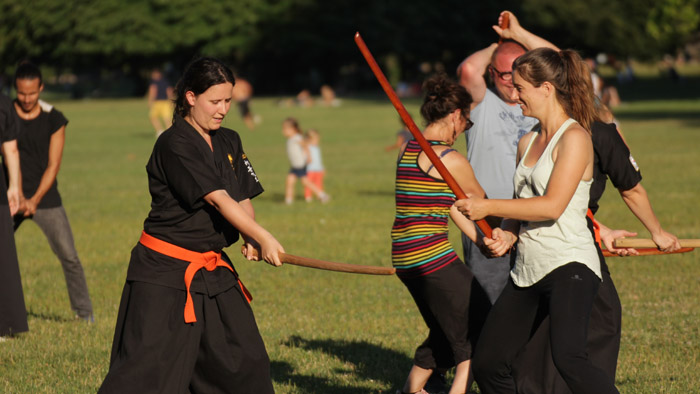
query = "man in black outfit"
x=41 y=138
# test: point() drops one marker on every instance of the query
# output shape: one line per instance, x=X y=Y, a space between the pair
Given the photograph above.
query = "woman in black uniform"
x=201 y=183
x=13 y=313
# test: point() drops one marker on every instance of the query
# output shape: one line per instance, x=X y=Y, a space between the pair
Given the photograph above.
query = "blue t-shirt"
x=492 y=143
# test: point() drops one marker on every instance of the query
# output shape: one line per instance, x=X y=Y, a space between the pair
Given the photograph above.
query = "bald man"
x=493 y=140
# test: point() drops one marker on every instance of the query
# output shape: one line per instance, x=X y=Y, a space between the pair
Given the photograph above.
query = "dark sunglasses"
x=470 y=123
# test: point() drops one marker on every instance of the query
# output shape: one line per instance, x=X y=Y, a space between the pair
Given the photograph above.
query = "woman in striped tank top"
x=426 y=263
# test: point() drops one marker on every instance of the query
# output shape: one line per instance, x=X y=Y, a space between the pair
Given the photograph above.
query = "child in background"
x=314 y=171
x=299 y=158
x=402 y=137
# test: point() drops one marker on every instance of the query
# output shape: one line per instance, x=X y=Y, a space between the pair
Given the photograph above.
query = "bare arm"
x=464 y=224
x=573 y=161
x=637 y=200
x=608 y=237
x=462 y=172
x=471 y=73
x=250 y=244
x=518 y=33
x=49 y=177
x=11 y=157
x=460 y=169
x=239 y=216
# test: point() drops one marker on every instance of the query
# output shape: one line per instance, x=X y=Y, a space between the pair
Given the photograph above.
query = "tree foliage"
x=288 y=44
x=626 y=28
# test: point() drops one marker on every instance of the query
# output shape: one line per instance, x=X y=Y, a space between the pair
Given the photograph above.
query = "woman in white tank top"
x=557 y=270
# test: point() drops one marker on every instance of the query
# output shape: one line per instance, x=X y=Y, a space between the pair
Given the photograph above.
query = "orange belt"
x=596 y=228
x=208 y=260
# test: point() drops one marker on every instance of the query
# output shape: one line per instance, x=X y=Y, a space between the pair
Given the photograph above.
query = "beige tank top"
x=547 y=245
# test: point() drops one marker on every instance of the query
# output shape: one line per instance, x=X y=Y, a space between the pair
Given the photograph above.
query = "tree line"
x=285 y=45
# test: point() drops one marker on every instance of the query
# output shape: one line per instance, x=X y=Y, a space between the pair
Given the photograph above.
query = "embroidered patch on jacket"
x=250 y=168
x=634 y=163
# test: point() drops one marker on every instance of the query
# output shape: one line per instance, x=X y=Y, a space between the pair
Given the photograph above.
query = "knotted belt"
x=207 y=260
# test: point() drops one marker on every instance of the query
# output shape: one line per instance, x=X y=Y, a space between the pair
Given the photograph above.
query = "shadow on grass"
x=44 y=316
x=371 y=362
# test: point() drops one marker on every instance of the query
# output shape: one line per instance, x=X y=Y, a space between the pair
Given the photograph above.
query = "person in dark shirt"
x=201 y=183
x=13 y=313
x=42 y=131
x=160 y=107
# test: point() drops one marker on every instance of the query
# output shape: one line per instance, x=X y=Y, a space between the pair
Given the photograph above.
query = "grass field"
x=331 y=332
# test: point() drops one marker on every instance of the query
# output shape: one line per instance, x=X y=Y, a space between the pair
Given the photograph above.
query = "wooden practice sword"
x=408 y=121
x=330 y=265
x=648 y=243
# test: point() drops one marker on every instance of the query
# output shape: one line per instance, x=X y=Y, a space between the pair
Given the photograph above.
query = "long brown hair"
x=569 y=75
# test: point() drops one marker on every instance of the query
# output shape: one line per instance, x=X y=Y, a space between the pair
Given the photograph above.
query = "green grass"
x=332 y=332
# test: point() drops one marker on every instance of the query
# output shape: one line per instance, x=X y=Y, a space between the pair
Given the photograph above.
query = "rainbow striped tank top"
x=419 y=235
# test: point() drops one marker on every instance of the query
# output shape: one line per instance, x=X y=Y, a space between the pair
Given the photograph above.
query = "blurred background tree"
x=284 y=46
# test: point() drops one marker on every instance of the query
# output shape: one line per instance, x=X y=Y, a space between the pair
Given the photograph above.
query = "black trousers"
x=13 y=312
x=534 y=370
x=566 y=296
x=454 y=307
x=155 y=351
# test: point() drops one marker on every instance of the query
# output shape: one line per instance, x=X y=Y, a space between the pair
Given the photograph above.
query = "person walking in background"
x=444 y=289
x=299 y=158
x=201 y=184
x=557 y=269
x=242 y=94
x=42 y=134
x=160 y=94
x=315 y=170
x=13 y=312
x=402 y=136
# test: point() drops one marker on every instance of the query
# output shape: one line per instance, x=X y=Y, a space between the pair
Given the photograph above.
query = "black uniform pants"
x=534 y=370
x=567 y=293
x=155 y=351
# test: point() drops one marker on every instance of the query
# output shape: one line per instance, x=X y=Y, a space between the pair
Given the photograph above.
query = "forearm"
x=47 y=180
x=531 y=41
x=535 y=209
x=464 y=224
x=638 y=202
x=479 y=60
x=247 y=206
x=238 y=216
x=11 y=158
x=471 y=73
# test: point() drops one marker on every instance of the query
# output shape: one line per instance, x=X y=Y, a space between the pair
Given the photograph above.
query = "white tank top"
x=547 y=245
